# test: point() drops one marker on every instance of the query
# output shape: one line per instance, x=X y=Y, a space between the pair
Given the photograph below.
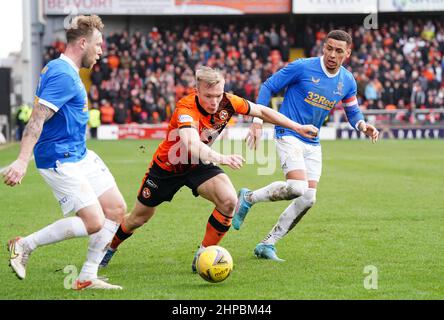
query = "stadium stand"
x=397 y=67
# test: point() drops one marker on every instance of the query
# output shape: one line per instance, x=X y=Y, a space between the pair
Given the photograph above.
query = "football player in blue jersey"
x=313 y=87
x=80 y=181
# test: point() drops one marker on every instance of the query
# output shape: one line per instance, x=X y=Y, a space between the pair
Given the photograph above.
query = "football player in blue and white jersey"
x=80 y=181
x=313 y=87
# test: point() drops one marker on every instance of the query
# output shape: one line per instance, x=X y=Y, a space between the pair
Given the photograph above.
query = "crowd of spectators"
x=397 y=66
x=142 y=75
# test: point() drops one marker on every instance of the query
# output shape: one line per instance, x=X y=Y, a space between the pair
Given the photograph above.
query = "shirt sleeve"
x=278 y=81
x=352 y=92
x=186 y=118
x=240 y=105
x=351 y=106
x=56 y=90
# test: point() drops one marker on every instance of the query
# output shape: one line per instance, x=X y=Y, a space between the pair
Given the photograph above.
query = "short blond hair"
x=83 y=26
x=209 y=76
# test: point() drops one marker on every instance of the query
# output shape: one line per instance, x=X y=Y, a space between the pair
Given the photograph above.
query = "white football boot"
x=18 y=257
x=94 y=284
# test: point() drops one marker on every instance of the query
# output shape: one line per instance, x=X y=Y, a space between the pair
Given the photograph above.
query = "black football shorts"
x=160 y=185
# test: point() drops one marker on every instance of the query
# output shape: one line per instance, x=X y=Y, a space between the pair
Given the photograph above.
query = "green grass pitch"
x=377 y=205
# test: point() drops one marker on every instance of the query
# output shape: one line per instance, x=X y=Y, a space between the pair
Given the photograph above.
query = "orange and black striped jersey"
x=190 y=114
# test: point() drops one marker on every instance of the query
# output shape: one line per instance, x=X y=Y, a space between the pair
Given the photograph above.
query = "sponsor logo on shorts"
x=152 y=184
x=63 y=200
x=146 y=193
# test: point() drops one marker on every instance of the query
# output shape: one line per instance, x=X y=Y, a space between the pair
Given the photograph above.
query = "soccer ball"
x=214 y=264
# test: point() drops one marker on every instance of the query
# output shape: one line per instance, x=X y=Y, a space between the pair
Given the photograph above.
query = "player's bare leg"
x=220 y=191
x=140 y=215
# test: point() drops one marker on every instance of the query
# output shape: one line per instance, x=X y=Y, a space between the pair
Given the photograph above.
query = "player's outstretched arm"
x=369 y=130
x=274 y=117
x=189 y=138
x=15 y=172
x=274 y=84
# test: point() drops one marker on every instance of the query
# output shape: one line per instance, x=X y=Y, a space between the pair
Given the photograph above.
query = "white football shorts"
x=77 y=185
x=297 y=155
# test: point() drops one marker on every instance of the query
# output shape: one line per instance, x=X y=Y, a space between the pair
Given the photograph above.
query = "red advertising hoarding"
x=166 y=7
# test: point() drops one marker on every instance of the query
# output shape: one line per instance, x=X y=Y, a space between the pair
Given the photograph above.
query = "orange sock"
x=121 y=235
x=218 y=224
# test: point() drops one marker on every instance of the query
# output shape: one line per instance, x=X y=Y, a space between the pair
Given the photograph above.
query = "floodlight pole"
x=32 y=47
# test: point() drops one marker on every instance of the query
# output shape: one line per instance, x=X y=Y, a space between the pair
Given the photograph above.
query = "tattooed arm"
x=15 y=172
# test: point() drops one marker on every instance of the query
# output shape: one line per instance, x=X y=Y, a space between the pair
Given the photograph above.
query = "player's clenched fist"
x=14 y=173
x=308 y=131
x=370 y=131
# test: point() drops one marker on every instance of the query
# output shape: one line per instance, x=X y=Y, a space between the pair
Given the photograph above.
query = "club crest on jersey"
x=223 y=115
x=339 y=89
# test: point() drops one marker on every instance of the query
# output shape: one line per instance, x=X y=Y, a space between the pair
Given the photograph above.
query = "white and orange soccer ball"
x=214 y=264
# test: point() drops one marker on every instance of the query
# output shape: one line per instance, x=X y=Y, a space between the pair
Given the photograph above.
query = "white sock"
x=201 y=248
x=67 y=228
x=271 y=192
x=279 y=190
x=98 y=243
x=291 y=216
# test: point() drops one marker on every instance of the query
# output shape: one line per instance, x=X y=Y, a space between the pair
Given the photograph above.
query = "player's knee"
x=120 y=211
x=227 y=205
x=95 y=224
x=296 y=188
x=117 y=212
x=309 y=198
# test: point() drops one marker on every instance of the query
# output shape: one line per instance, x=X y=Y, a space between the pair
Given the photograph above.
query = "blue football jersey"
x=311 y=92
x=64 y=135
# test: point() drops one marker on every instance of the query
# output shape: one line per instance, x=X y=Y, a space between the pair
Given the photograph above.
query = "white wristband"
x=258 y=120
x=358 y=123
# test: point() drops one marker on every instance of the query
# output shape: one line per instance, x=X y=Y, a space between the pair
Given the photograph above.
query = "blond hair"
x=83 y=26
x=209 y=76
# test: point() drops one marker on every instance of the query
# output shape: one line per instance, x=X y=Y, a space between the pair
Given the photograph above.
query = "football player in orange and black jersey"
x=189 y=113
x=185 y=158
